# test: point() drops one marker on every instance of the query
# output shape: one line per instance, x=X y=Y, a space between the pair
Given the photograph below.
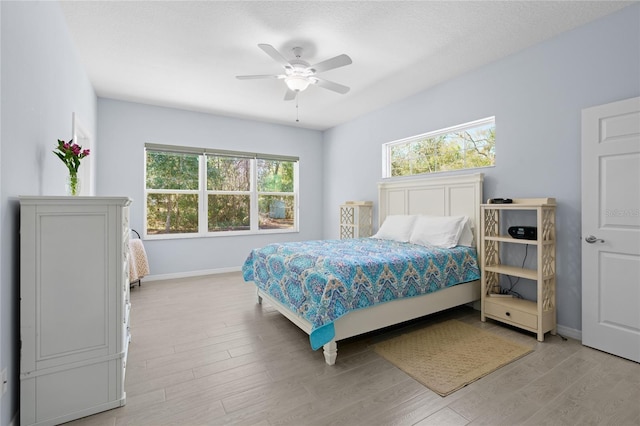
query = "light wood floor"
x=204 y=353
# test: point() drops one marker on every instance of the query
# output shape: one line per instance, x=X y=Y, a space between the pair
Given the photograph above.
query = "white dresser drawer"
x=503 y=311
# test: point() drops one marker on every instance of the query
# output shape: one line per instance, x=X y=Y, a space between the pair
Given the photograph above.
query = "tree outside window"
x=276 y=199
x=228 y=193
x=239 y=192
x=466 y=146
x=172 y=193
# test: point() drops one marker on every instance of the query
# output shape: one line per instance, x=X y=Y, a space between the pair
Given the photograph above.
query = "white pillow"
x=396 y=227
x=439 y=231
x=466 y=237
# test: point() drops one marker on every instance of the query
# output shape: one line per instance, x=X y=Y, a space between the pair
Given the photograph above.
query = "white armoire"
x=74 y=306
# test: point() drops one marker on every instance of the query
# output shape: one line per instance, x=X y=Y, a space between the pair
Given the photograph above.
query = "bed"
x=279 y=268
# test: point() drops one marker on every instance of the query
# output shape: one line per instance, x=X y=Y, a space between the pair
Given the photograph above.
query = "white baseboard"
x=570 y=332
x=189 y=274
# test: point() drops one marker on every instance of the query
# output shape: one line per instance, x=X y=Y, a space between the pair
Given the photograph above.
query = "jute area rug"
x=448 y=356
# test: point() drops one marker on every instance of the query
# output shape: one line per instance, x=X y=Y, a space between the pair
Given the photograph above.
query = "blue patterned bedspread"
x=325 y=279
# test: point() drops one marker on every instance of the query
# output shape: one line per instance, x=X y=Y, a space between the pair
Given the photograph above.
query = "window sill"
x=218 y=234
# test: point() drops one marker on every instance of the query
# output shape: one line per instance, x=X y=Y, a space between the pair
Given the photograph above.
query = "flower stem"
x=73 y=184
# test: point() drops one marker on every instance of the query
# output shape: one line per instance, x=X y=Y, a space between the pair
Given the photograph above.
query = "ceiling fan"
x=298 y=74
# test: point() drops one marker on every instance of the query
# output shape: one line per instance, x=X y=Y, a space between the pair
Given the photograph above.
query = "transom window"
x=203 y=192
x=465 y=146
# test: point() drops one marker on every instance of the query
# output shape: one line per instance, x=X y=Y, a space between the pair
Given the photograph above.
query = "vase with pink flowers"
x=71 y=153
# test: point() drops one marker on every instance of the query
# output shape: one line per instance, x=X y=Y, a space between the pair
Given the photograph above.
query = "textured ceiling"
x=186 y=54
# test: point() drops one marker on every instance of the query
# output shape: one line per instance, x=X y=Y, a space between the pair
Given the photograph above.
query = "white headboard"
x=437 y=196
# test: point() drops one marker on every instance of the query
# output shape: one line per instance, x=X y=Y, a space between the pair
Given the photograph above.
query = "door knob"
x=591 y=239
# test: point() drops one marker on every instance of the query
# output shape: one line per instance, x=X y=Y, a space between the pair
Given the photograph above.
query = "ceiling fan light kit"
x=297 y=83
x=298 y=74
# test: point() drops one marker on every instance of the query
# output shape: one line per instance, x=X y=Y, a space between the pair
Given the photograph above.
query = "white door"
x=611 y=228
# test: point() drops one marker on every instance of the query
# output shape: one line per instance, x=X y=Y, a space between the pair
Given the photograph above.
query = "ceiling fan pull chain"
x=297 y=121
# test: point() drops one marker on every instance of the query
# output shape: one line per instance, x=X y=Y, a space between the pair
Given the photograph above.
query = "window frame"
x=388 y=146
x=203 y=193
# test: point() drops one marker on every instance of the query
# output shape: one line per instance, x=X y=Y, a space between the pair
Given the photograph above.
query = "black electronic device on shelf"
x=500 y=201
x=524 y=232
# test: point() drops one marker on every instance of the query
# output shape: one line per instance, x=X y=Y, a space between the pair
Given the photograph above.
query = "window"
x=197 y=192
x=466 y=146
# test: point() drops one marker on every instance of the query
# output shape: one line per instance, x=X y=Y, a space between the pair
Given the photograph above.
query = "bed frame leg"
x=330 y=352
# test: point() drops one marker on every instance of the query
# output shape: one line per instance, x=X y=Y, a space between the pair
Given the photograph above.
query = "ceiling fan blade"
x=251 y=77
x=290 y=95
x=329 y=64
x=275 y=55
x=330 y=85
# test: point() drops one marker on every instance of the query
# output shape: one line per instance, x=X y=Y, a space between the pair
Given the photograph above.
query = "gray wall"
x=124 y=128
x=43 y=82
x=536 y=96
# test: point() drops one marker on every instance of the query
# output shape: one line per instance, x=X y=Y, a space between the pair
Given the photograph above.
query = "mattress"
x=323 y=280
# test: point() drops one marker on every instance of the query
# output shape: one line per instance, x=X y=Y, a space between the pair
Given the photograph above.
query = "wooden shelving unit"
x=537 y=316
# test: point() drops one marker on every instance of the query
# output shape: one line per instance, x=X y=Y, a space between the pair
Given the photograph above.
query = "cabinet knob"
x=508 y=314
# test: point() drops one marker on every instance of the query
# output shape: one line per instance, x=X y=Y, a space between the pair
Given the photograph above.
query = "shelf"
x=514 y=271
x=536 y=316
x=523 y=204
x=509 y=239
x=528 y=306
